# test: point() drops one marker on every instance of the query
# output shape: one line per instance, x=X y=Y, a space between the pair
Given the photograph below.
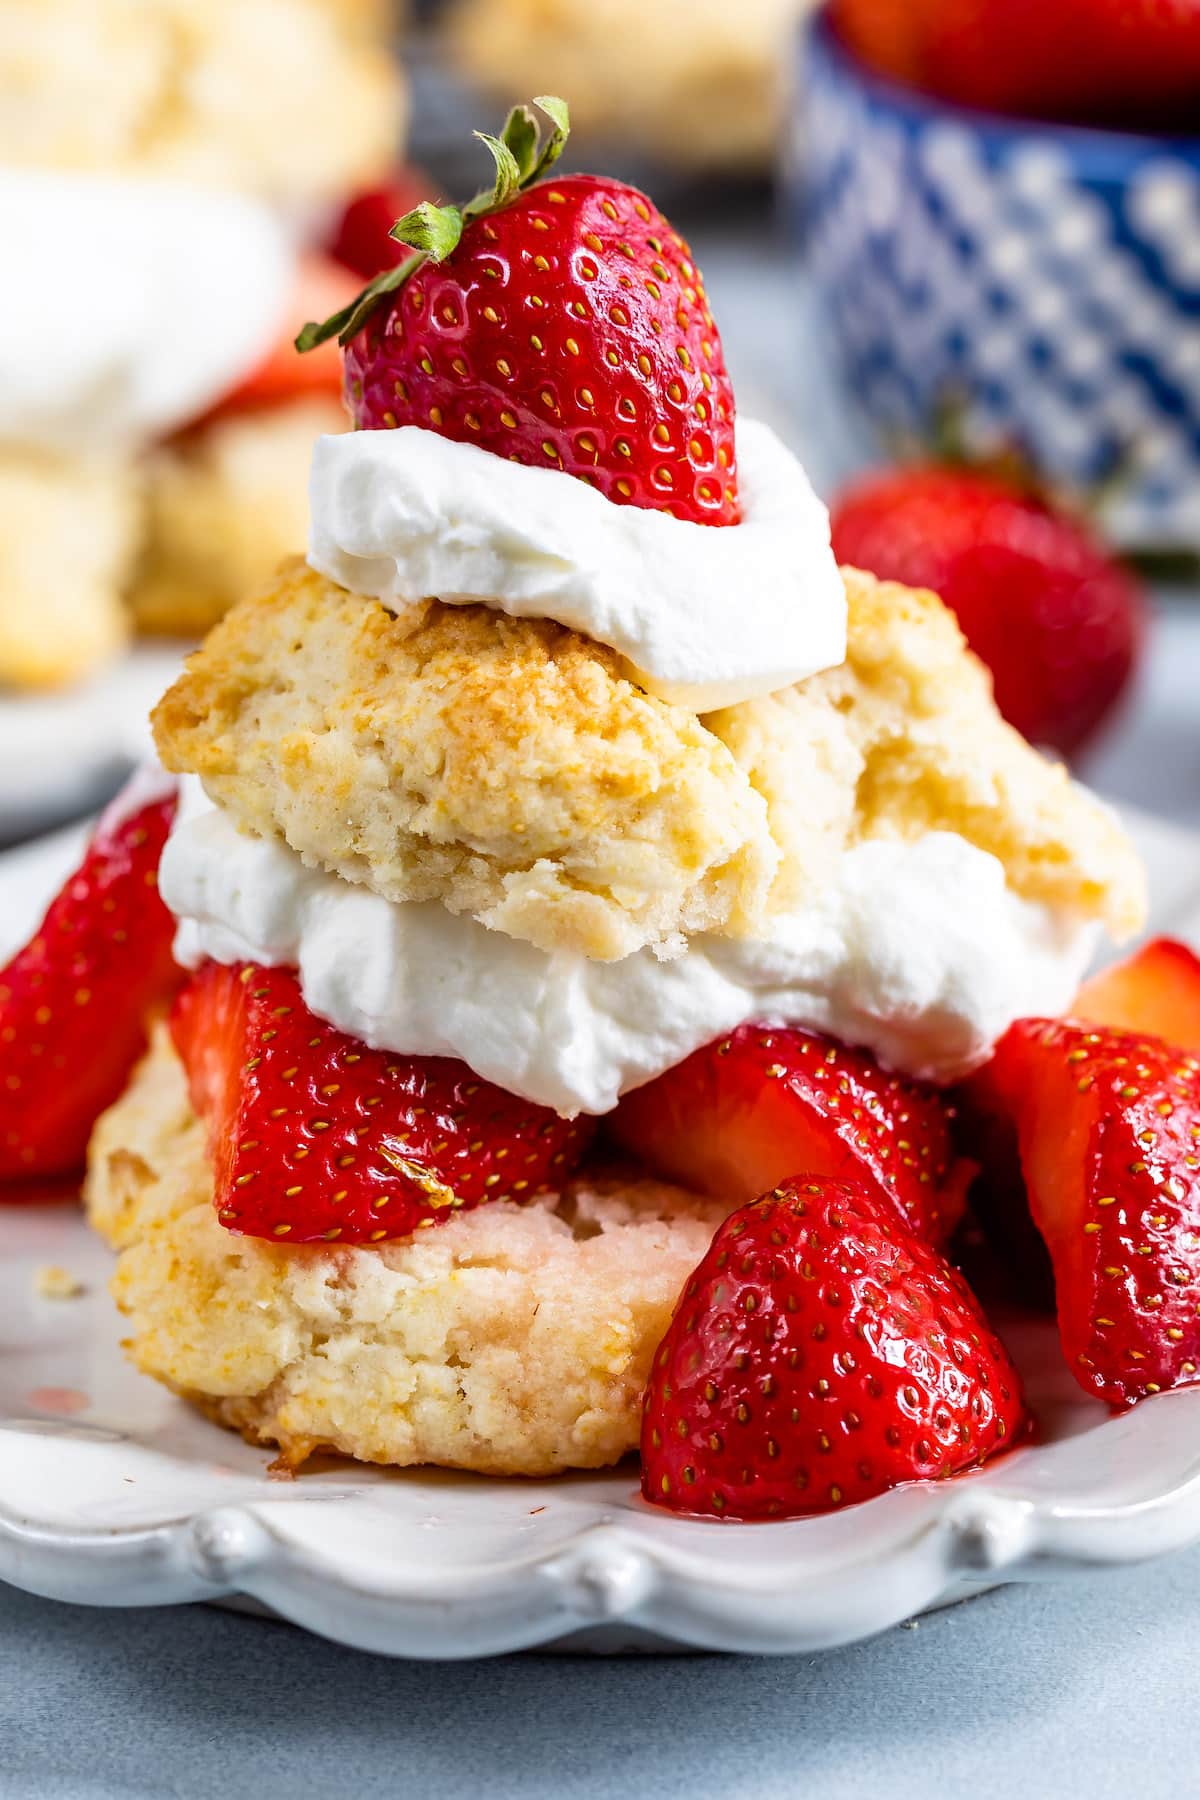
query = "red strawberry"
x=1120 y=61
x=819 y=1355
x=762 y=1105
x=313 y=1135
x=1108 y=1126
x=362 y=240
x=562 y=324
x=1057 y=621
x=73 y=1002
x=284 y=374
x=1155 y=992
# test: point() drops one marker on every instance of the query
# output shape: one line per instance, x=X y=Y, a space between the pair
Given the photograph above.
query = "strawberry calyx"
x=522 y=157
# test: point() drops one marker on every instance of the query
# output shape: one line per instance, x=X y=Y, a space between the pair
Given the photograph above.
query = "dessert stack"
x=595 y=915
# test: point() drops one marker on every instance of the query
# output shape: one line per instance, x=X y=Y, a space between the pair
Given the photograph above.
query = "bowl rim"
x=1114 y=140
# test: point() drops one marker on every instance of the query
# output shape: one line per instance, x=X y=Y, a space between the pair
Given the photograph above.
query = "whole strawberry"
x=559 y=323
x=313 y=1135
x=1039 y=599
x=1126 y=62
x=820 y=1355
x=1107 y=1125
x=73 y=1002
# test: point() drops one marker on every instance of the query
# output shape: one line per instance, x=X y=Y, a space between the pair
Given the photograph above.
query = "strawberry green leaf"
x=508 y=178
x=521 y=134
x=559 y=115
x=433 y=230
x=344 y=323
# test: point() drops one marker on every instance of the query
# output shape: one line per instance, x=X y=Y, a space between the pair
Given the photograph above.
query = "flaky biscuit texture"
x=508 y=768
x=513 y=1340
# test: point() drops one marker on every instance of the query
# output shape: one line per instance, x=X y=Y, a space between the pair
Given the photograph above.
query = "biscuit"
x=696 y=82
x=224 y=504
x=295 y=100
x=513 y=1340
x=904 y=738
x=504 y=766
x=68 y=533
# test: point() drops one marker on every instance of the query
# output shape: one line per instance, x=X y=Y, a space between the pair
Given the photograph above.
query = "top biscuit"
x=508 y=768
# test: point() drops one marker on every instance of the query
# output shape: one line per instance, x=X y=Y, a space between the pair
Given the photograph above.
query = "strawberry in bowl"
x=571 y=855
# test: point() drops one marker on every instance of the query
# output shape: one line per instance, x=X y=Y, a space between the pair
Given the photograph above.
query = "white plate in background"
x=64 y=751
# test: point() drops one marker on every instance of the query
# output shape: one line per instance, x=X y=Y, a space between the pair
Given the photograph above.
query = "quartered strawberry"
x=314 y=1135
x=1156 y=992
x=558 y=322
x=820 y=1354
x=764 y=1104
x=1108 y=1129
x=73 y=1002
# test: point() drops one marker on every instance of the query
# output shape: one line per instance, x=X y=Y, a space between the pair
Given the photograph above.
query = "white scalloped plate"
x=112 y=1492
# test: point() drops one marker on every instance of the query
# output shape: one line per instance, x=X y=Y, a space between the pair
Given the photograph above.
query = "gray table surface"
x=1084 y=1688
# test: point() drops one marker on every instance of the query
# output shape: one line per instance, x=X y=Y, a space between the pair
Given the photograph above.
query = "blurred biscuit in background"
x=224 y=505
x=295 y=100
x=68 y=536
x=694 y=83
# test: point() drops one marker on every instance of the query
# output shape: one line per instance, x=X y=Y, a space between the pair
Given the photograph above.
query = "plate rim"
x=637 y=1578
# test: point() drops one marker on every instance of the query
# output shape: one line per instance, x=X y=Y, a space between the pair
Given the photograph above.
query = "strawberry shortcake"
x=594 y=916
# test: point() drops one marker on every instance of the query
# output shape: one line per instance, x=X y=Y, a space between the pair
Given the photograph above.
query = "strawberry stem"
x=433 y=232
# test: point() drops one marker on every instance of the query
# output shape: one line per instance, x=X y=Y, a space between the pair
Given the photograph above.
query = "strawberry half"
x=562 y=324
x=819 y=1355
x=1156 y=992
x=73 y=1002
x=762 y=1105
x=1108 y=1129
x=315 y=1136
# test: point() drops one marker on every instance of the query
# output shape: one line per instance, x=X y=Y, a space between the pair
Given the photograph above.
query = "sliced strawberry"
x=283 y=374
x=73 y=1002
x=762 y=1105
x=314 y=1135
x=561 y=323
x=1156 y=991
x=1108 y=1128
x=820 y=1354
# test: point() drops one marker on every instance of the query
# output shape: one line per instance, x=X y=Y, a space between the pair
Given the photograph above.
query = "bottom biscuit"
x=513 y=1340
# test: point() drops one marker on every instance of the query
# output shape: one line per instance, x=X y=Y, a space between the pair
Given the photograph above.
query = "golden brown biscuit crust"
x=510 y=1341
x=904 y=738
x=505 y=766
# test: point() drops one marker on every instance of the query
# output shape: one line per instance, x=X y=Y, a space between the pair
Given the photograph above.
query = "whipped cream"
x=919 y=951
x=703 y=615
x=129 y=306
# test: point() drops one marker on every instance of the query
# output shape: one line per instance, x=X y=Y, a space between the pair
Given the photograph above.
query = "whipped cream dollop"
x=919 y=951
x=129 y=306
x=703 y=615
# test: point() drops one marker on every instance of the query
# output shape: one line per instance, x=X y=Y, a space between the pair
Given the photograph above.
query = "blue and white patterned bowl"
x=1042 y=279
